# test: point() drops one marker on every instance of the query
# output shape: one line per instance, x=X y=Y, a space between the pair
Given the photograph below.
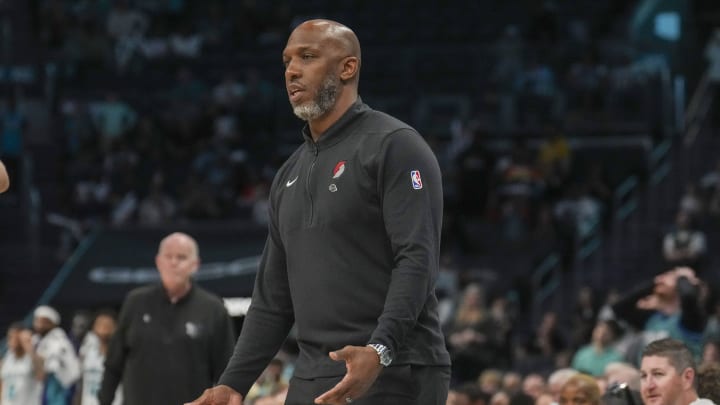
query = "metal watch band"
x=383 y=353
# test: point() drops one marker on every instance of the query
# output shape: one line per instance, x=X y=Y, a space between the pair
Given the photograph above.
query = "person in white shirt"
x=668 y=375
x=21 y=373
x=61 y=365
x=92 y=358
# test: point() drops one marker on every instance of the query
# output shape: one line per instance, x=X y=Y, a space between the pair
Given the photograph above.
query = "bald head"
x=335 y=33
x=182 y=239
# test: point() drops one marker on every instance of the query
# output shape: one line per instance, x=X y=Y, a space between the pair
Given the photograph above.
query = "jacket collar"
x=336 y=132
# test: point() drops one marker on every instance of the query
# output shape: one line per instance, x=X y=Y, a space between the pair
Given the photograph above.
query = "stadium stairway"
x=632 y=251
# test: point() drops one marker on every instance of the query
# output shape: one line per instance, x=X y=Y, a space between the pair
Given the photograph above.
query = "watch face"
x=385 y=359
x=383 y=353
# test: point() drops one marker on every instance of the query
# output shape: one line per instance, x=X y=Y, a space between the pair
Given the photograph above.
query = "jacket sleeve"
x=268 y=320
x=626 y=310
x=222 y=345
x=410 y=190
x=116 y=354
x=693 y=318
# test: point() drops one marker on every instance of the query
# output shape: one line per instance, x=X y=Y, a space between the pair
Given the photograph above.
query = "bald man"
x=352 y=252
x=4 y=178
x=173 y=338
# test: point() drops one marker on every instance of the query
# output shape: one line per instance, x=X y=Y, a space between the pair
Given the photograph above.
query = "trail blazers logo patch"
x=416 y=179
x=339 y=169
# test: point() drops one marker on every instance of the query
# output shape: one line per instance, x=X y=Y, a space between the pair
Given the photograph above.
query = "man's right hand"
x=220 y=395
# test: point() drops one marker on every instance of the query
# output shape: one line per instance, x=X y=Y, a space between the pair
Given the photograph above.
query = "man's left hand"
x=363 y=367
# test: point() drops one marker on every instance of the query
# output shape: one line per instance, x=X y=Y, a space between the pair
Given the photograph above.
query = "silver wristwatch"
x=383 y=353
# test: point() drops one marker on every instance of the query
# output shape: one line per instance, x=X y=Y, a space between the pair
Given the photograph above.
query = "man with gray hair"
x=557 y=379
x=173 y=338
x=667 y=374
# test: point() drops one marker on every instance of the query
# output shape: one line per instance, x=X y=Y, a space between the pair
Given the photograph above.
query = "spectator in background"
x=155 y=44
x=492 y=380
x=584 y=316
x=185 y=43
x=519 y=188
x=269 y=383
x=500 y=398
x=506 y=75
x=691 y=202
x=669 y=374
x=157 y=206
x=684 y=245
x=557 y=380
x=712 y=54
x=173 y=339
x=585 y=80
x=710 y=353
x=580 y=389
x=4 y=178
x=124 y=21
x=600 y=190
x=92 y=357
x=473 y=338
x=533 y=385
x=539 y=92
x=474 y=165
x=22 y=372
x=215 y=27
x=62 y=368
x=80 y=325
x=512 y=382
x=548 y=339
x=713 y=205
x=113 y=119
x=554 y=159
x=710 y=181
x=670 y=307
x=708 y=382
x=594 y=357
x=229 y=93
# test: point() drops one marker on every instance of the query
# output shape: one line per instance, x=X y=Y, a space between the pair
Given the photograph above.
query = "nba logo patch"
x=416 y=179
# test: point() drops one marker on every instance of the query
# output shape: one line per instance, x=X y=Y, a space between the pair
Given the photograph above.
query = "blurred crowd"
x=494 y=360
x=158 y=121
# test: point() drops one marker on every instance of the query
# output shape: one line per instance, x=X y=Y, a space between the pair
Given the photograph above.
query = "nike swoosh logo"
x=291 y=182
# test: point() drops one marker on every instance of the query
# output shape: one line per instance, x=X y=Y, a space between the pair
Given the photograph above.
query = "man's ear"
x=688 y=378
x=349 y=68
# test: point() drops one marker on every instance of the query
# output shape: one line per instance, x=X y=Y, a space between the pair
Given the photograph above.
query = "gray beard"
x=323 y=102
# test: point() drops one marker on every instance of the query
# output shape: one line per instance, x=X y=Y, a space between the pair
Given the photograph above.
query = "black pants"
x=396 y=385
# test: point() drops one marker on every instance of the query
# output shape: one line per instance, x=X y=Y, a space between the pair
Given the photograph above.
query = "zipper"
x=307 y=185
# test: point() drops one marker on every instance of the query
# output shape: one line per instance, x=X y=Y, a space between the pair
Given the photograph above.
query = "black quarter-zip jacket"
x=352 y=252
